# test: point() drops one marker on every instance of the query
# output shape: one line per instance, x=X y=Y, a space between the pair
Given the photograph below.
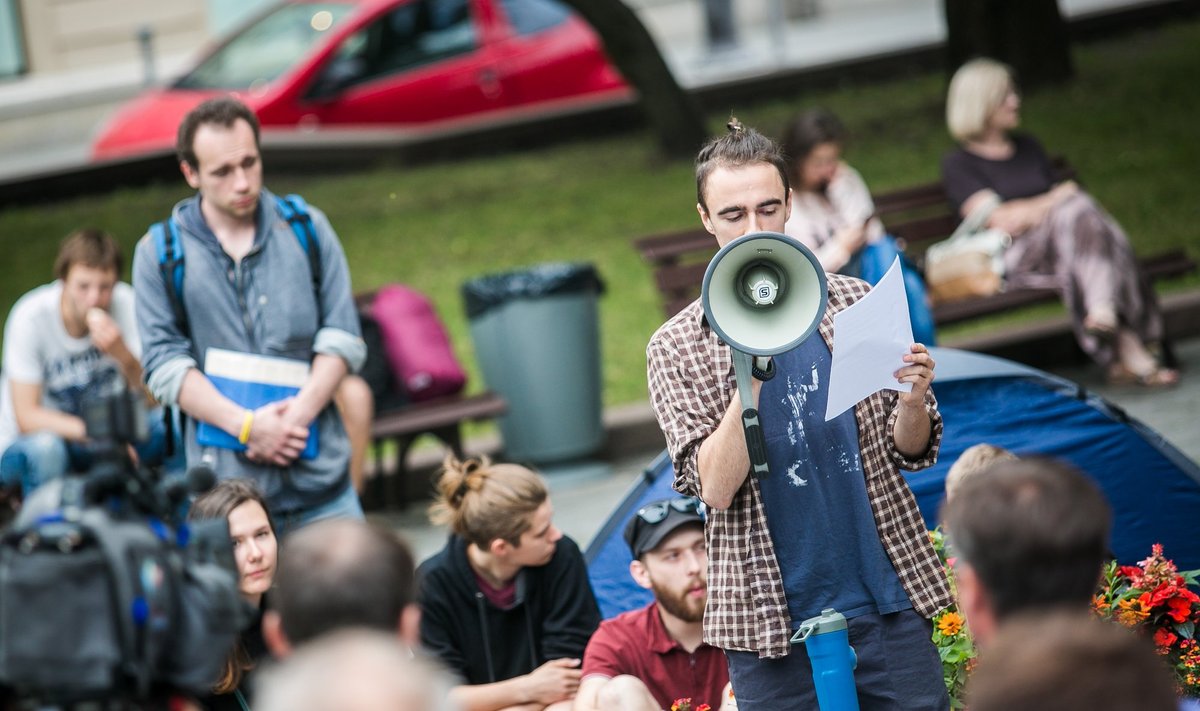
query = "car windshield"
x=267 y=48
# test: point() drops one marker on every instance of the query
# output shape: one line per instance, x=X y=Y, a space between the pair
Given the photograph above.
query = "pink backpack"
x=417 y=345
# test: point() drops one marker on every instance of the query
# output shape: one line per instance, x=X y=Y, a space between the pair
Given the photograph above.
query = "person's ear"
x=500 y=547
x=787 y=205
x=974 y=603
x=706 y=220
x=190 y=175
x=641 y=576
x=410 y=625
x=272 y=631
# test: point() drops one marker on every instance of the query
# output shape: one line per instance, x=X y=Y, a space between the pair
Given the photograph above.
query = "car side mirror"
x=339 y=74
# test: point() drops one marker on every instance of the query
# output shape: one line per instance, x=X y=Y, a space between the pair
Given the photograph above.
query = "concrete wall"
x=62 y=35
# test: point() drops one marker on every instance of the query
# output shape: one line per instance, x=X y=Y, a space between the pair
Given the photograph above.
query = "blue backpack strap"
x=170 y=262
x=295 y=210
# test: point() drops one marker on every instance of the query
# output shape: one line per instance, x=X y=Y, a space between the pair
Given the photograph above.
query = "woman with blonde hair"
x=1061 y=237
x=255 y=549
x=507 y=604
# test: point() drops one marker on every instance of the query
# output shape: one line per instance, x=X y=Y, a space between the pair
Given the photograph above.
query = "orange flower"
x=950 y=624
x=1134 y=610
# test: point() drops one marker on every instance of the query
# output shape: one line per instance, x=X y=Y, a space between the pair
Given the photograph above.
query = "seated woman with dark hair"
x=834 y=216
x=1060 y=236
x=254 y=548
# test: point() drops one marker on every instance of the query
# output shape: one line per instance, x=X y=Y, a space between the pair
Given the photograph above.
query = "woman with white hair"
x=1061 y=237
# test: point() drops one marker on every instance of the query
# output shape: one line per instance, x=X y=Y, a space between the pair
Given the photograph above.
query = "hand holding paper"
x=870 y=340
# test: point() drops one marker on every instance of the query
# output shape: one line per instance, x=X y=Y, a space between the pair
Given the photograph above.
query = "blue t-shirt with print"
x=815 y=496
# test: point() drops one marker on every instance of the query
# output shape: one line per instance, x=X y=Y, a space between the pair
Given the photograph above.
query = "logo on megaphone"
x=764 y=293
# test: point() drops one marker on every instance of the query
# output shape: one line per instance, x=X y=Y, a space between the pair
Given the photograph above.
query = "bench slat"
x=1159 y=266
x=431 y=414
x=669 y=246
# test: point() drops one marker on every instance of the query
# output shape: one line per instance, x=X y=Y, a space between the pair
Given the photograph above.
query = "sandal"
x=1157 y=377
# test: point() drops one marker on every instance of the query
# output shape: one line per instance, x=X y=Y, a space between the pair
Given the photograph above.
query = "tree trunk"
x=672 y=112
x=1028 y=35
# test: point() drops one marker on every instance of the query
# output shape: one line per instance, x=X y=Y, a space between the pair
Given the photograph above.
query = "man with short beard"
x=650 y=657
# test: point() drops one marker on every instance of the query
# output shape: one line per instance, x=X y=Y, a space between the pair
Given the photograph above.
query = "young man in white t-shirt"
x=64 y=342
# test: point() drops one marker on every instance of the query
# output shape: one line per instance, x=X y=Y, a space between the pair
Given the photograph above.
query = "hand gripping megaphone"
x=763 y=294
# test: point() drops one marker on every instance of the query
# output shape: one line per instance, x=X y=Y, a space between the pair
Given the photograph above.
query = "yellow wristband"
x=247 y=423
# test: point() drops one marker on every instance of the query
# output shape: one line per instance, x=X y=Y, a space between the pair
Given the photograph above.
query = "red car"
x=368 y=70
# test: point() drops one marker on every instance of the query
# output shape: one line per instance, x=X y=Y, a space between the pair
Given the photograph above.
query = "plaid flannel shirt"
x=691 y=385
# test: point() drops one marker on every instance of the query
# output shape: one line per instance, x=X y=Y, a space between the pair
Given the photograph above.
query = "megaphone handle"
x=756 y=441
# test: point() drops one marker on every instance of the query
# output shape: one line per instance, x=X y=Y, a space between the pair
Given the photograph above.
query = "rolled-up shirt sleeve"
x=340 y=333
x=166 y=351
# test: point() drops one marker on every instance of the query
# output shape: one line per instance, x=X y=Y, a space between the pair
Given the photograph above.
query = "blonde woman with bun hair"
x=507 y=604
x=481 y=501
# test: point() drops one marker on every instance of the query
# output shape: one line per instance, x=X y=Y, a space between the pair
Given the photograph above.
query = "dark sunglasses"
x=658 y=511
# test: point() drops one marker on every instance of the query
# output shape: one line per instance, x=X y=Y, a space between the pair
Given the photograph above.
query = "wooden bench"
x=918 y=216
x=441 y=418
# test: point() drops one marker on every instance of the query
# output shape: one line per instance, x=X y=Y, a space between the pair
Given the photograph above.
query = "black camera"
x=106 y=594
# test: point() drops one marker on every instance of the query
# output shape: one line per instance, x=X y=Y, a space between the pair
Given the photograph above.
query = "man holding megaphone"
x=825 y=519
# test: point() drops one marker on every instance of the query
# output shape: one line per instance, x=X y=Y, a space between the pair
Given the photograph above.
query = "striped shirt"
x=691 y=385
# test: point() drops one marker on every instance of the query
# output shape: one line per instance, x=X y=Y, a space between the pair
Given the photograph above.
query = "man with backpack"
x=248 y=324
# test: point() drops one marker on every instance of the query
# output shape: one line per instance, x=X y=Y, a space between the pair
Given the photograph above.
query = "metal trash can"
x=537 y=340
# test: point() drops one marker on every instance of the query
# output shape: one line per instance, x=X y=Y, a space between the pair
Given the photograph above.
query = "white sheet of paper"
x=870 y=339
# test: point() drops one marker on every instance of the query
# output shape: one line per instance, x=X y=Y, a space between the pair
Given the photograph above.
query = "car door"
x=420 y=62
x=548 y=53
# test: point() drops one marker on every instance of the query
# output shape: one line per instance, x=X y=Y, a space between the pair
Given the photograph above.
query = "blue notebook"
x=252 y=381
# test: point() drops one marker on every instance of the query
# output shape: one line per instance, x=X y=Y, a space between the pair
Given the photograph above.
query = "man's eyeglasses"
x=658 y=511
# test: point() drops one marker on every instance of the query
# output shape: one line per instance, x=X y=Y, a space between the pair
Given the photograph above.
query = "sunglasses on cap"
x=658 y=511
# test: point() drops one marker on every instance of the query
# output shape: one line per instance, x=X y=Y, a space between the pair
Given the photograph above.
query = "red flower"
x=1161 y=594
x=1180 y=608
x=1132 y=573
x=1163 y=639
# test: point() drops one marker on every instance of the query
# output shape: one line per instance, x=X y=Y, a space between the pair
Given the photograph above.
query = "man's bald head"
x=339 y=574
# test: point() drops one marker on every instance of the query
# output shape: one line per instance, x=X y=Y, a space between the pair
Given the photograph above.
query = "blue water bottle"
x=832 y=659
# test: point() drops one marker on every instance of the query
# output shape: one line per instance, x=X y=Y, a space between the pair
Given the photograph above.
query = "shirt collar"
x=660 y=641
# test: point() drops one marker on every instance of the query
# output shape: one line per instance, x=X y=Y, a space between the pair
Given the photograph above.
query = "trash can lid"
x=486 y=292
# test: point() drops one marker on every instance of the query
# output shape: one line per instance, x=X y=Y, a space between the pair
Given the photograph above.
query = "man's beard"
x=679 y=604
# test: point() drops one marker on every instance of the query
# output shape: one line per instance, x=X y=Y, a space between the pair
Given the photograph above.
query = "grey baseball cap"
x=653 y=522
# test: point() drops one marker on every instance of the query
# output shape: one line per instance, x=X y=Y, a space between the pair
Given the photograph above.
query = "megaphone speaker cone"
x=760 y=284
x=764 y=293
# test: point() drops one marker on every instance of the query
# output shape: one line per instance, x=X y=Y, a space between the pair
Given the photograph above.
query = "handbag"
x=970 y=262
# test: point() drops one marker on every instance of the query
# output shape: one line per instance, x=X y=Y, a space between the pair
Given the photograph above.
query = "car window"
x=530 y=16
x=416 y=33
x=265 y=49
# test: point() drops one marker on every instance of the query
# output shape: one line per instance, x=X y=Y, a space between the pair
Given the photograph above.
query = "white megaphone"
x=763 y=294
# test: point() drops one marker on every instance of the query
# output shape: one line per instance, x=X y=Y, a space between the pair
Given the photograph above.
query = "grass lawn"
x=1127 y=123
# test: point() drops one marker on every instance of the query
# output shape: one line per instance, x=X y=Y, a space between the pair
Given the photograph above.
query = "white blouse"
x=816 y=218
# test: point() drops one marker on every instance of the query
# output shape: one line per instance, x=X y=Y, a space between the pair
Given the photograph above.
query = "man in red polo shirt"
x=647 y=659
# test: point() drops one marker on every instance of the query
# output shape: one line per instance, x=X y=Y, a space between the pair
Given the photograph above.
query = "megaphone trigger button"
x=763 y=374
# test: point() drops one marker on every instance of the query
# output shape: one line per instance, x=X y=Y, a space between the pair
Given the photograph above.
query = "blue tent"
x=1154 y=489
